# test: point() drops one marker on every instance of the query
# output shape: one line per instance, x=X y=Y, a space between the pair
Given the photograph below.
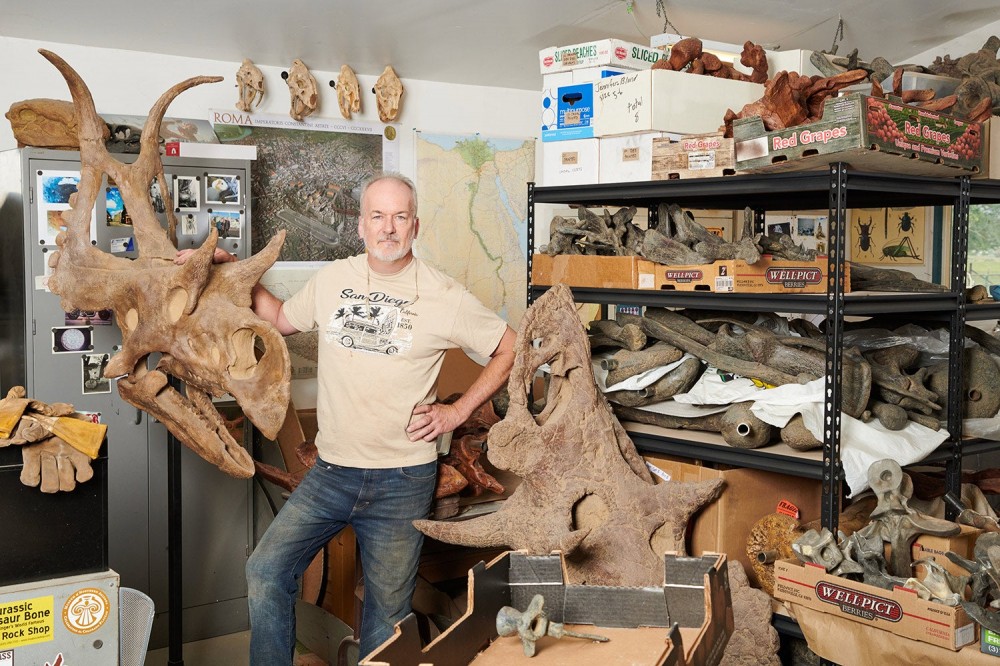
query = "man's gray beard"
x=390 y=257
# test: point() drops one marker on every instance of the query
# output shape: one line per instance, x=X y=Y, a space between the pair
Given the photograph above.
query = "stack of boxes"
x=603 y=108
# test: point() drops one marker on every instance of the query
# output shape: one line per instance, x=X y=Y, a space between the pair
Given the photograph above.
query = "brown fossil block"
x=46 y=123
x=585 y=489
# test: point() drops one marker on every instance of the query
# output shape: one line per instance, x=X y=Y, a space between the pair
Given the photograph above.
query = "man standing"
x=385 y=319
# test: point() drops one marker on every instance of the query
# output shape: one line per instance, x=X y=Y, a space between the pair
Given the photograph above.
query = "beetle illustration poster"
x=887 y=235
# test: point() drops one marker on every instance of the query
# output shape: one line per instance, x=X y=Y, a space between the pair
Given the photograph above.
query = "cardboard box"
x=693 y=156
x=989 y=642
x=872 y=134
x=612 y=52
x=724 y=525
x=592 y=271
x=898 y=610
x=574 y=113
x=591 y=74
x=570 y=162
x=627 y=158
x=991 y=150
x=662 y=100
x=928 y=547
x=767 y=276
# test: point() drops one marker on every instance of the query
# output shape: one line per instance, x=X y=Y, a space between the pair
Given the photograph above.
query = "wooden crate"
x=694 y=156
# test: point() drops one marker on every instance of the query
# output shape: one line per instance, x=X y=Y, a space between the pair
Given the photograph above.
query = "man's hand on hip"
x=429 y=421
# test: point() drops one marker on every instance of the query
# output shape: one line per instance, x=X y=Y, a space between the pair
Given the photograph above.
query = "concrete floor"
x=228 y=650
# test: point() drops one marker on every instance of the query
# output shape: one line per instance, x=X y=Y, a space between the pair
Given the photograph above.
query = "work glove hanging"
x=55 y=465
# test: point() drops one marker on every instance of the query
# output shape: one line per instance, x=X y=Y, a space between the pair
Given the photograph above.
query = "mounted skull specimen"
x=250 y=81
x=303 y=89
x=197 y=316
x=388 y=91
x=348 y=92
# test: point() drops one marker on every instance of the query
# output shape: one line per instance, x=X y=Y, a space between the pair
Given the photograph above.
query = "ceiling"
x=492 y=43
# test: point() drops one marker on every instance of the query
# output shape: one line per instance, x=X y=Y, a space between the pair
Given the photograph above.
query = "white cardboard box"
x=661 y=100
x=591 y=74
x=627 y=158
x=602 y=52
x=794 y=60
x=570 y=162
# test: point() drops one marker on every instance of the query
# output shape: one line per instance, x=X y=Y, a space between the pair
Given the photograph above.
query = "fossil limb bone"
x=197 y=316
x=678 y=380
x=610 y=333
x=627 y=363
x=585 y=489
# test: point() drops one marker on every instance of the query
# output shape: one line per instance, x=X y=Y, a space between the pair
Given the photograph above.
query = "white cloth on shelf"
x=861 y=444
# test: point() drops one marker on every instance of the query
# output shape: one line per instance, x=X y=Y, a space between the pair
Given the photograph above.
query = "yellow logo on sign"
x=26 y=621
x=86 y=610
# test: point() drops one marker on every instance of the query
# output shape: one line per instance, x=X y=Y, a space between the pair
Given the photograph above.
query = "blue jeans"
x=380 y=505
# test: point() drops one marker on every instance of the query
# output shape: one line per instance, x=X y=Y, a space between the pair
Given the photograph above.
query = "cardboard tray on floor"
x=687 y=620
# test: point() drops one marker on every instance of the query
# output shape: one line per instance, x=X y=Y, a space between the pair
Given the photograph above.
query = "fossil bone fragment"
x=678 y=380
x=610 y=333
x=585 y=489
x=388 y=91
x=250 y=82
x=627 y=363
x=197 y=316
x=303 y=89
x=348 y=92
x=534 y=623
x=46 y=123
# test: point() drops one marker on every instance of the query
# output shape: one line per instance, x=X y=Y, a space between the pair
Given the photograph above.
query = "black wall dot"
x=41 y=241
x=333 y=84
x=284 y=75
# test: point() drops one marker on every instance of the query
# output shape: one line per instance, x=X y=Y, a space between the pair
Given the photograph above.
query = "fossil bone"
x=585 y=489
x=250 y=82
x=626 y=363
x=534 y=623
x=197 y=316
x=388 y=91
x=348 y=92
x=303 y=89
x=46 y=123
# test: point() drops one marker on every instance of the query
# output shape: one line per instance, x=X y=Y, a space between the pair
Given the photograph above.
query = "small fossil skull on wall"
x=348 y=92
x=250 y=82
x=388 y=91
x=303 y=89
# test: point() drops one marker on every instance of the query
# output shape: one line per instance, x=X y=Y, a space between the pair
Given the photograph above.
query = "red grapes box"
x=869 y=133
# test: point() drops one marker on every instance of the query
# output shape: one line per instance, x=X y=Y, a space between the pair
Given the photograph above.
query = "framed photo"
x=93 y=377
x=229 y=223
x=89 y=318
x=72 y=339
x=157 y=197
x=187 y=194
x=222 y=189
x=58 y=186
x=189 y=225
x=117 y=215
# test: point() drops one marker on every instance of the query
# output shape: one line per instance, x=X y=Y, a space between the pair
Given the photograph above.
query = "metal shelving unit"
x=836 y=189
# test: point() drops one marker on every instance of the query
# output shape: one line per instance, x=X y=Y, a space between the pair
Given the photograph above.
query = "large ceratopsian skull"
x=197 y=315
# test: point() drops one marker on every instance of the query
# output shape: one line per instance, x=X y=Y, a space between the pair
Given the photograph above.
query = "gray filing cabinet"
x=217 y=509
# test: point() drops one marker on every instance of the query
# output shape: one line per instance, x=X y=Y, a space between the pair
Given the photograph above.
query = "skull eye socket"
x=244 y=359
x=175 y=303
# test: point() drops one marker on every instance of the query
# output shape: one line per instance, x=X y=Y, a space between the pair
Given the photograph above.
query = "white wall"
x=958 y=47
x=129 y=82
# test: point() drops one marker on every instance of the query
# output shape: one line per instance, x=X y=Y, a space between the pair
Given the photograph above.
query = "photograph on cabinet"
x=157 y=197
x=222 y=189
x=94 y=380
x=88 y=318
x=120 y=245
x=55 y=189
x=187 y=195
x=72 y=339
x=189 y=225
x=227 y=222
x=117 y=215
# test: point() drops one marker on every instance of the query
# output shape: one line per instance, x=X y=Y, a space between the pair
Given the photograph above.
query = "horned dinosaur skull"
x=197 y=316
x=585 y=488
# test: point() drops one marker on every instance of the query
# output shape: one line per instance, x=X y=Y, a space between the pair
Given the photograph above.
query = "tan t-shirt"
x=382 y=340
